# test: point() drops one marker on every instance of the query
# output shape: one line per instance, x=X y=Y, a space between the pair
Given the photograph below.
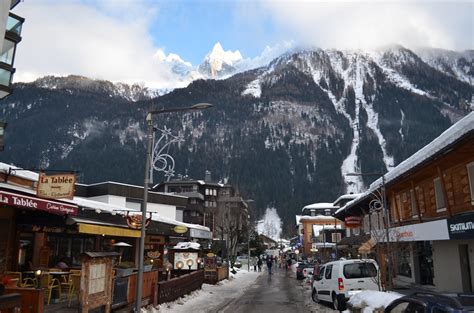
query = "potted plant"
x=125 y=269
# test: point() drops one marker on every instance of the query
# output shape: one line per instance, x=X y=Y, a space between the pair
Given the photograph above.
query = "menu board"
x=97 y=278
x=185 y=258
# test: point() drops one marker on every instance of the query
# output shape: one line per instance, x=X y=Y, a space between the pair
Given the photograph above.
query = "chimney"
x=207 y=177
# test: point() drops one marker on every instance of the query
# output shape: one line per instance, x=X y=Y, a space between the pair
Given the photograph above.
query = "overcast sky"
x=119 y=40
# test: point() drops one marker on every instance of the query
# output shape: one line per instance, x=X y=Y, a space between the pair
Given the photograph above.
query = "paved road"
x=276 y=293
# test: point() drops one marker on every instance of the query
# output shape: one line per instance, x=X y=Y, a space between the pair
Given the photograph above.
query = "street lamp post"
x=199 y=106
x=386 y=224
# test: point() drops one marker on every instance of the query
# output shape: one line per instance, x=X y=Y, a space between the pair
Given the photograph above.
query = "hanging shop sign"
x=353 y=221
x=180 y=229
x=26 y=202
x=59 y=186
x=135 y=220
x=154 y=240
x=461 y=226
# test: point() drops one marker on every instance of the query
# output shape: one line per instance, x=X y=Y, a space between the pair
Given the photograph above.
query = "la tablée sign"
x=22 y=201
x=60 y=186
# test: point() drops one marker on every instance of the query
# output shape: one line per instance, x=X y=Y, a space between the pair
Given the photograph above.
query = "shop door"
x=465 y=268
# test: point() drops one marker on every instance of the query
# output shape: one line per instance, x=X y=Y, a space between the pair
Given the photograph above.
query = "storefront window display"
x=404 y=264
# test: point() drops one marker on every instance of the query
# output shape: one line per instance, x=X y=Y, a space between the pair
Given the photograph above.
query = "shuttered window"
x=440 y=201
x=470 y=172
x=414 y=208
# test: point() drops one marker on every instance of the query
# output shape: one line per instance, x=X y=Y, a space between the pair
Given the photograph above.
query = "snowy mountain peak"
x=219 y=62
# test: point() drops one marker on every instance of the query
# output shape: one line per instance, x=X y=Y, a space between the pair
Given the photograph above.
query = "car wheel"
x=314 y=296
x=338 y=303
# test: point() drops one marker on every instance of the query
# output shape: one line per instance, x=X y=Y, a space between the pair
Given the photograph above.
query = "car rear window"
x=359 y=270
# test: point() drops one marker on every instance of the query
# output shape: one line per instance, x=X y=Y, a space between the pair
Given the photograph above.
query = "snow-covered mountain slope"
x=287 y=133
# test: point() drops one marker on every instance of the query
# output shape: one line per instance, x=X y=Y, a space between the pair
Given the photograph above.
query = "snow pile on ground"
x=187 y=245
x=210 y=296
x=369 y=300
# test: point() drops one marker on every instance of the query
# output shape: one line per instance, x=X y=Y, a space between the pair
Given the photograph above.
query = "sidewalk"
x=211 y=297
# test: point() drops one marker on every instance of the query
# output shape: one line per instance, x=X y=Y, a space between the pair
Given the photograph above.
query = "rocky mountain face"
x=286 y=134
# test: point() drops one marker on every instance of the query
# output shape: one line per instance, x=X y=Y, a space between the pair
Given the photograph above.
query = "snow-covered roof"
x=163 y=219
x=298 y=219
x=319 y=205
x=29 y=175
x=350 y=196
x=348 y=204
x=317 y=218
x=187 y=245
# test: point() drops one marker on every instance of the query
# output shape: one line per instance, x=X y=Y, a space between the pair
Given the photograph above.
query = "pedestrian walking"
x=259 y=264
x=269 y=265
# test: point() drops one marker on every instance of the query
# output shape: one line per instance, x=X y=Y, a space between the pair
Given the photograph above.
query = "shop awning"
x=367 y=246
x=107 y=230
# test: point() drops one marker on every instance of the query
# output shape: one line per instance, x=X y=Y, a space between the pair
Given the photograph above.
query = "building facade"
x=429 y=214
x=10 y=32
x=320 y=230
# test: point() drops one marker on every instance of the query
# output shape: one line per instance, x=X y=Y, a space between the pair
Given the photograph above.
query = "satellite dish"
x=121 y=244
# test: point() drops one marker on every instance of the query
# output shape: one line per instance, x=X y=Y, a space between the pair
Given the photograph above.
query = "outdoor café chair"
x=76 y=287
x=50 y=284
x=15 y=275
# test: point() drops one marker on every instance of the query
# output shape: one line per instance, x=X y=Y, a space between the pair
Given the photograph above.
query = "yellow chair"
x=50 y=284
x=76 y=287
x=29 y=282
x=15 y=275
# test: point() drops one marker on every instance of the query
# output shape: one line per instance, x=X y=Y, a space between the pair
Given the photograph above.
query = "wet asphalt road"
x=279 y=292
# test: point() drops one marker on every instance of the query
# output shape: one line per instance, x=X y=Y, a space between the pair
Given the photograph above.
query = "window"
x=207 y=192
x=414 y=207
x=399 y=208
x=359 y=270
x=404 y=264
x=9 y=52
x=470 y=173
x=440 y=202
x=214 y=192
x=409 y=307
x=321 y=273
x=328 y=272
x=206 y=204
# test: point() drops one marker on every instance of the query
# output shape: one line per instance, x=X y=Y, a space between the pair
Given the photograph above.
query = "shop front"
x=25 y=222
x=413 y=250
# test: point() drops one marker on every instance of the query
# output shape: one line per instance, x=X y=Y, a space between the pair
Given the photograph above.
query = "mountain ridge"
x=287 y=134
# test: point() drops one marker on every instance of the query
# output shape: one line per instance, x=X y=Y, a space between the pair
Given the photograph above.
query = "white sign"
x=97 y=278
x=435 y=230
x=200 y=233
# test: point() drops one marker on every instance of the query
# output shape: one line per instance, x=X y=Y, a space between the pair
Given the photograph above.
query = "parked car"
x=303 y=269
x=423 y=302
x=337 y=281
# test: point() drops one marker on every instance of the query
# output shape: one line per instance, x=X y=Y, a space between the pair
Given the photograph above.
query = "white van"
x=337 y=281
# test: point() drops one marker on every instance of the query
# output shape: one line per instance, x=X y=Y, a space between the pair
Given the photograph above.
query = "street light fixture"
x=386 y=224
x=149 y=121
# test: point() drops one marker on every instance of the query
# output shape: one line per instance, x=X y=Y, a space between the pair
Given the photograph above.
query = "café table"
x=55 y=297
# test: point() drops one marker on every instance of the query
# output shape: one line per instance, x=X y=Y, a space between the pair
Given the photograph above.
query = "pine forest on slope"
x=286 y=133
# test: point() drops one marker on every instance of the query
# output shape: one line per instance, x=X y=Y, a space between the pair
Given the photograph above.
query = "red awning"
x=33 y=203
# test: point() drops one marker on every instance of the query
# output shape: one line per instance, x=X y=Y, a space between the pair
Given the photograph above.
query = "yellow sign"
x=60 y=186
x=210 y=255
x=180 y=229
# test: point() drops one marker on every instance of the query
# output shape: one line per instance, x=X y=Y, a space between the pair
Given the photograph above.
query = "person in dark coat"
x=269 y=264
x=259 y=263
